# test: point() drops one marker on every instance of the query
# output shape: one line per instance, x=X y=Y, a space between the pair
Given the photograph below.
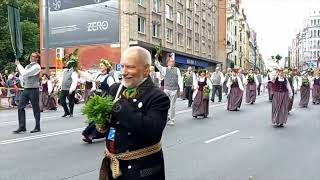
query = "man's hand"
x=17 y=62
x=181 y=93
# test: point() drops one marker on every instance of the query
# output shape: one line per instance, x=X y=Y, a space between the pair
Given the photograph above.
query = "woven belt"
x=114 y=159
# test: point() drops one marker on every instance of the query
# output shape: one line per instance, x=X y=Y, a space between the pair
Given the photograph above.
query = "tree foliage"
x=29 y=16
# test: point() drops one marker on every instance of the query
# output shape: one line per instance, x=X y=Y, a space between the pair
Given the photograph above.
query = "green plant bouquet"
x=158 y=50
x=305 y=82
x=73 y=59
x=206 y=91
x=98 y=109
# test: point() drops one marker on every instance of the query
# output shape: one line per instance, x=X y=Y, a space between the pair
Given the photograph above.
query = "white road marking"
x=28 y=138
x=220 y=137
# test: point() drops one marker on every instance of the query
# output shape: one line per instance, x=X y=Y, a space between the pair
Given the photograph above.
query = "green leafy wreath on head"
x=106 y=63
x=73 y=59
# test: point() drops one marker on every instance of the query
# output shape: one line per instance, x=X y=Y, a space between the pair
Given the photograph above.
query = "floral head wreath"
x=106 y=63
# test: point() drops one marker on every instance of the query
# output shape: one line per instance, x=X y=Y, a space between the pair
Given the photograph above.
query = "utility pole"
x=46 y=33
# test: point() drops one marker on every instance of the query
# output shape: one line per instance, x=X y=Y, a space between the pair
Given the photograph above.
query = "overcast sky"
x=277 y=21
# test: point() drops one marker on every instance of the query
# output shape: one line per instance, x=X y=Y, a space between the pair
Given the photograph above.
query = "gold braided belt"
x=114 y=159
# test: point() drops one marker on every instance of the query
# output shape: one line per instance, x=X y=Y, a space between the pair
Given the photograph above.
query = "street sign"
x=118 y=67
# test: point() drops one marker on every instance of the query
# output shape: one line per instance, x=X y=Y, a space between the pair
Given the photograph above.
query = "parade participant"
x=281 y=94
x=316 y=88
x=227 y=76
x=46 y=89
x=101 y=86
x=68 y=85
x=270 y=76
x=305 y=84
x=139 y=117
x=293 y=85
x=88 y=85
x=188 y=82
x=202 y=87
x=217 y=80
x=235 y=91
x=260 y=80
x=155 y=76
x=31 y=76
x=251 y=91
x=172 y=83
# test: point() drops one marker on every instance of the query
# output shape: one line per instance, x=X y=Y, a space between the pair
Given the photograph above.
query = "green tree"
x=29 y=12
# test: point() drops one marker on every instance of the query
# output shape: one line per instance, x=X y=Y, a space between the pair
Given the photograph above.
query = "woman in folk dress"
x=282 y=93
x=316 y=88
x=235 y=91
x=305 y=84
x=201 y=85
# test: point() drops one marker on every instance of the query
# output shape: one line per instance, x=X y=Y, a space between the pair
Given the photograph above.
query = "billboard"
x=83 y=22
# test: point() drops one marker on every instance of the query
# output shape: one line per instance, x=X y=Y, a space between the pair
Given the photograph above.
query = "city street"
x=225 y=146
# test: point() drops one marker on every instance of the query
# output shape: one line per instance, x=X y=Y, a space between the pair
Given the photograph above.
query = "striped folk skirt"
x=270 y=92
x=280 y=107
x=234 y=99
x=290 y=105
x=304 y=96
x=200 y=105
x=316 y=94
x=251 y=93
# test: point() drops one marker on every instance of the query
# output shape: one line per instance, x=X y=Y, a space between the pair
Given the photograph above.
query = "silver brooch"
x=134 y=100
x=140 y=105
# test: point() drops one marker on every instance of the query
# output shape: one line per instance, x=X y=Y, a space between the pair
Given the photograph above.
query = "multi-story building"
x=184 y=27
x=305 y=49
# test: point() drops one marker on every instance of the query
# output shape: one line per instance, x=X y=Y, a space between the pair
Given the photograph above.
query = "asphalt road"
x=225 y=146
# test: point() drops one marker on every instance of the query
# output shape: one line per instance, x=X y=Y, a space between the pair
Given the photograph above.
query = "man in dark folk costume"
x=138 y=119
x=282 y=93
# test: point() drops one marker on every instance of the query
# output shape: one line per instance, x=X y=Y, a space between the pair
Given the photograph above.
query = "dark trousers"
x=259 y=89
x=64 y=95
x=91 y=130
x=188 y=94
x=216 y=88
x=27 y=95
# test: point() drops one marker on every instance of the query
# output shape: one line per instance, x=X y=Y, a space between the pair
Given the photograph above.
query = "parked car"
x=57 y=5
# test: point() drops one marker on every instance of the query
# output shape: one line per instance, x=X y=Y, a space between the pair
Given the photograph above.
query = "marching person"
x=31 y=76
x=139 y=117
x=281 y=94
x=172 y=83
x=260 y=80
x=217 y=79
x=293 y=85
x=68 y=86
x=101 y=87
x=46 y=90
x=155 y=76
x=305 y=84
x=227 y=76
x=270 y=85
x=235 y=91
x=202 y=86
x=251 y=90
x=188 y=83
x=316 y=88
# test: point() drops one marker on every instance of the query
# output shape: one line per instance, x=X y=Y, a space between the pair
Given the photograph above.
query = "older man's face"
x=133 y=69
x=34 y=57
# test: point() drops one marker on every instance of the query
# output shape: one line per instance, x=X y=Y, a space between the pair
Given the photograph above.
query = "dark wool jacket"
x=139 y=123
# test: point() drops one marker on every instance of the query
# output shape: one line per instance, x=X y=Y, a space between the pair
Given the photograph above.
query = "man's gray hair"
x=141 y=52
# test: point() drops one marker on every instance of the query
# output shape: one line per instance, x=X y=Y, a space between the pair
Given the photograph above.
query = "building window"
x=314 y=44
x=196 y=46
x=141 y=24
x=196 y=8
x=235 y=45
x=189 y=4
x=179 y=1
x=179 y=18
x=141 y=2
x=169 y=34
x=155 y=30
x=180 y=39
x=318 y=44
x=318 y=21
x=240 y=49
x=156 y=6
x=204 y=14
x=311 y=22
x=203 y=31
x=188 y=22
x=235 y=30
x=318 y=33
x=189 y=42
x=196 y=26
x=311 y=33
x=169 y=10
x=235 y=60
x=240 y=37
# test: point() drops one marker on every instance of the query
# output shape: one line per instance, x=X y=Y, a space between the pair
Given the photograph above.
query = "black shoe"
x=281 y=125
x=65 y=115
x=35 y=131
x=212 y=100
x=19 y=130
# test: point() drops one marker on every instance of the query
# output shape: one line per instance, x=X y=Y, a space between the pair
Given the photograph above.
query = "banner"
x=83 y=22
x=15 y=31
